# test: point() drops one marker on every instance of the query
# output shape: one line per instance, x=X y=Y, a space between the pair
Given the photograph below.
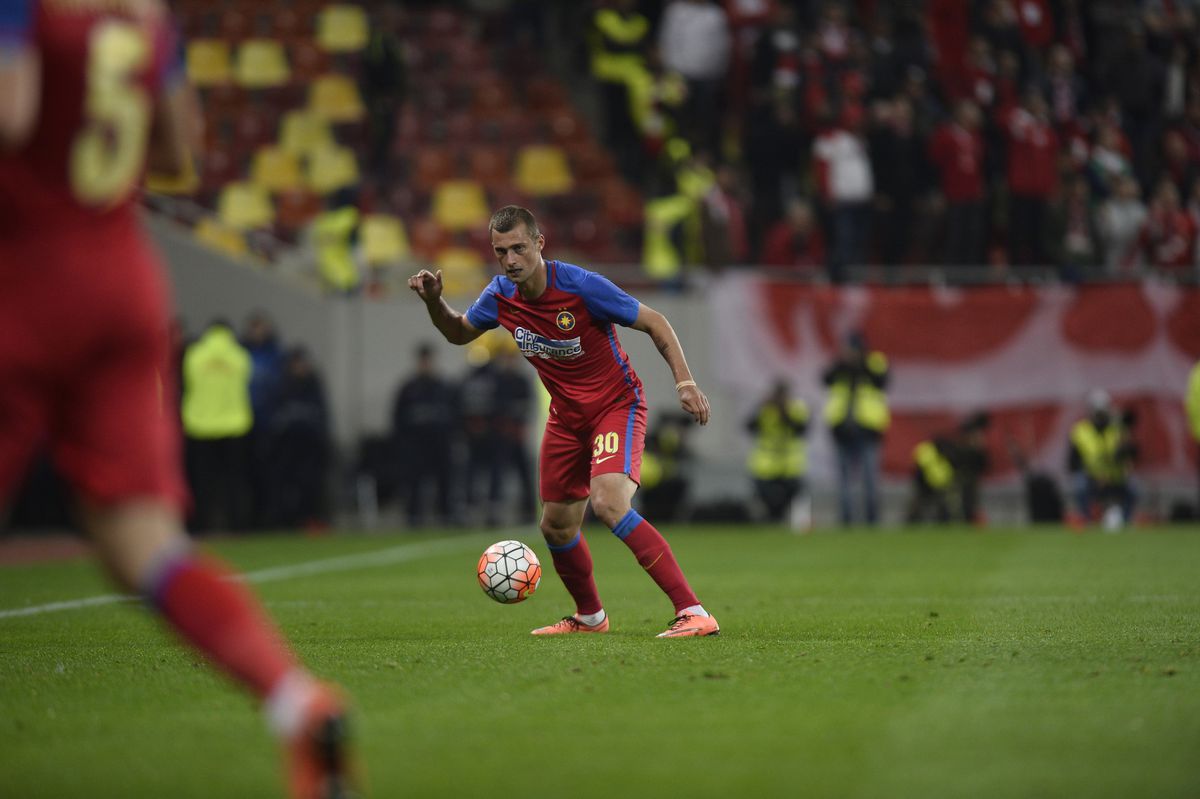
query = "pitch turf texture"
x=858 y=664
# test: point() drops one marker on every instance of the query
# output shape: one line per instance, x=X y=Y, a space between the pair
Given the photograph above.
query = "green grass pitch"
x=853 y=664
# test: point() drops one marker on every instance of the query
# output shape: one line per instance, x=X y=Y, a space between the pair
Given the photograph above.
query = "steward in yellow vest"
x=778 y=461
x=333 y=233
x=665 y=480
x=1101 y=454
x=216 y=386
x=933 y=481
x=616 y=41
x=217 y=418
x=672 y=235
x=857 y=414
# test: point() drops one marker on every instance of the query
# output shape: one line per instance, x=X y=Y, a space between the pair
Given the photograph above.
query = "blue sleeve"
x=484 y=312
x=16 y=24
x=608 y=303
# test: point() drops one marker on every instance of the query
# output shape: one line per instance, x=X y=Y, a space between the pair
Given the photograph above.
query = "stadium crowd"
x=816 y=136
x=804 y=137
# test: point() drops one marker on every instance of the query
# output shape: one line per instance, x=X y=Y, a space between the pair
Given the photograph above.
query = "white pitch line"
x=70 y=604
x=360 y=560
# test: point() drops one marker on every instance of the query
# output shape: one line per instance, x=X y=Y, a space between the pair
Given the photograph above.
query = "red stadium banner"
x=1027 y=355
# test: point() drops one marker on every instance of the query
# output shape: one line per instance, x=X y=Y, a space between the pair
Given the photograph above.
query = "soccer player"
x=90 y=94
x=562 y=318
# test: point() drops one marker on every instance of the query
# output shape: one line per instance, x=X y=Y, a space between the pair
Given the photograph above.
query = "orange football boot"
x=319 y=763
x=687 y=625
x=570 y=624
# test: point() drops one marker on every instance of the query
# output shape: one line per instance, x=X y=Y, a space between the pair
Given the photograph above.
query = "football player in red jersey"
x=563 y=319
x=91 y=92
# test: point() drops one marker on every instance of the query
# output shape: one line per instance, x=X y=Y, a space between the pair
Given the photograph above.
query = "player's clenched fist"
x=428 y=285
x=692 y=400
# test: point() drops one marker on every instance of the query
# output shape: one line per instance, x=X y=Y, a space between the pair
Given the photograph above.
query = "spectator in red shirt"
x=998 y=24
x=1074 y=235
x=1178 y=164
x=1168 y=237
x=1007 y=84
x=902 y=177
x=1032 y=177
x=724 y=220
x=795 y=242
x=1063 y=87
x=948 y=23
x=844 y=175
x=1109 y=159
x=956 y=150
x=977 y=79
x=1035 y=23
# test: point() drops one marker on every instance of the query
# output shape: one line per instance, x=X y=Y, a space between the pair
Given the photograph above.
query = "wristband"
x=684 y=383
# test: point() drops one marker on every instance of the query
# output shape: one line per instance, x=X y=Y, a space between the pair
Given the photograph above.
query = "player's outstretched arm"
x=655 y=325
x=449 y=322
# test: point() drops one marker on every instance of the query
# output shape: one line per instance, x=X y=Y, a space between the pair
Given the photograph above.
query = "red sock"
x=573 y=562
x=655 y=556
x=223 y=620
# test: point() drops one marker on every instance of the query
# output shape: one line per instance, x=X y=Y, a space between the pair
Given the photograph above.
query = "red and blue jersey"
x=569 y=335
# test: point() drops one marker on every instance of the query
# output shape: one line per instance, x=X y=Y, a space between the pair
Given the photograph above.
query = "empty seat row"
x=338 y=28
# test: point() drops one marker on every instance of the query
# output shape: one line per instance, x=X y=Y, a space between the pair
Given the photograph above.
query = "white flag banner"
x=1026 y=355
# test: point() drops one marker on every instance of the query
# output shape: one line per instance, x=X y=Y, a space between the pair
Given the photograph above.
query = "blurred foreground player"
x=90 y=96
x=562 y=318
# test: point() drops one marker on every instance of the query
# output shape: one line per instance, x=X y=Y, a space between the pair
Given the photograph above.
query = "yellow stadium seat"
x=342 y=29
x=462 y=270
x=276 y=170
x=542 y=170
x=331 y=168
x=459 y=205
x=335 y=98
x=384 y=241
x=208 y=62
x=244 y=206
x=261 y=64
x=302 y=132
x=211 y=233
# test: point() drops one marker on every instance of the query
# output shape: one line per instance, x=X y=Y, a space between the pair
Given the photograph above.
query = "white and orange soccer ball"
x=509 y=572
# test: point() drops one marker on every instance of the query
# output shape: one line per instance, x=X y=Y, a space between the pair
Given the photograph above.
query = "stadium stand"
x=1037 y=79
x=287 y=127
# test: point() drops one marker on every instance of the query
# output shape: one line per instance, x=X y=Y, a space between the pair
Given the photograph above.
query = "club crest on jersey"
x=534 y=345
x=565 y=320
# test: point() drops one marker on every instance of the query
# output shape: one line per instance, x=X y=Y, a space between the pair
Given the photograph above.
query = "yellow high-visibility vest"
x=938 y=471
x=335 y=258
x=1098 y=449
x=1193 y=402
x=216 y=387
x=870 y=409
x=616 y=45
x=778 y=452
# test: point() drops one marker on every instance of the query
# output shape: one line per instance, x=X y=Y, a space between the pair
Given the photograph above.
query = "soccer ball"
x=509 y=572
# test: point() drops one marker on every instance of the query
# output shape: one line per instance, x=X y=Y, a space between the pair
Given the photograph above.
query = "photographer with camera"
x=857 y=414
x=1101 y=455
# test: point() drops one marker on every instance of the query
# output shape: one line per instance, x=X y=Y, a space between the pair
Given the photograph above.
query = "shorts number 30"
x=606 y=442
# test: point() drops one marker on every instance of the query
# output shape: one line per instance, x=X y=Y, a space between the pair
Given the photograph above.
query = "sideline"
x=342 y=563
